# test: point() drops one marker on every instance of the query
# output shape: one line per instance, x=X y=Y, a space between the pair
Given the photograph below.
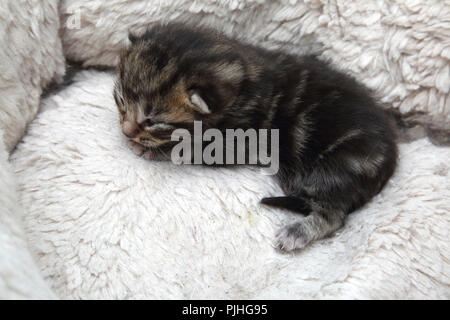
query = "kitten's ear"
x=132 y=37
x=128 y=42
x=217 y=87
x=198 y=102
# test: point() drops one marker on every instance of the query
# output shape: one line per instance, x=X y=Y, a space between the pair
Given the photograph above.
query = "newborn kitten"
x=336 y=144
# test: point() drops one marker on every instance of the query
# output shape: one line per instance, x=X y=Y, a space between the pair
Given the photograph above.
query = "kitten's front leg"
x=154 y=154
x=322 y=216
x=137 y=148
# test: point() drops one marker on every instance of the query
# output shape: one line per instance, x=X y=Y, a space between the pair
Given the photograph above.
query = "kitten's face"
x=160 y=89
x=148 y=112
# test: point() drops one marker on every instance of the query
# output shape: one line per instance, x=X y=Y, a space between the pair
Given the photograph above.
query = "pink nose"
x=130 y=129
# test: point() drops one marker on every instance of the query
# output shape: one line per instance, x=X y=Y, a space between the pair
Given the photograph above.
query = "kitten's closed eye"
x=149 y=125
x=162 y=131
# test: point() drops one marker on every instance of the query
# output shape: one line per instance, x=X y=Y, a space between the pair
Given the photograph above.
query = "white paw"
x=154 y=155
x=137 y=148
x=292 y=237
x=149 y=155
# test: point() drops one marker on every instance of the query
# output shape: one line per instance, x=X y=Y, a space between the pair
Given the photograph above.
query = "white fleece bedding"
x=31 y=57
x=19 y=276
x=104 y=223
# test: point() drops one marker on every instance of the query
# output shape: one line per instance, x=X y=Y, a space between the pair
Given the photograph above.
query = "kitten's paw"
x=149 y=155
x=154 y=155
x=292 y=237
x=137 y=148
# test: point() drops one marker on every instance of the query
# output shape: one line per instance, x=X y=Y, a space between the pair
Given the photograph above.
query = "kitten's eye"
x=156 y=127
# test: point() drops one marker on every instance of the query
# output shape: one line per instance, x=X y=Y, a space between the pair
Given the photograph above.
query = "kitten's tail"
x=296 y=204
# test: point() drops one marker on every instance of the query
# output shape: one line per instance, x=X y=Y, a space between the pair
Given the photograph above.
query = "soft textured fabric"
x=31 y=58
x=104 y=223
x=399 y=48
x=19 y=276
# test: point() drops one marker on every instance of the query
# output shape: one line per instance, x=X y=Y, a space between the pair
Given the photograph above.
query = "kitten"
x=336 y=145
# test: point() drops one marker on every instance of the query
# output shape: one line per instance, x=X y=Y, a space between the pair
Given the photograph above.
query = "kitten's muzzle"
x=130 y=129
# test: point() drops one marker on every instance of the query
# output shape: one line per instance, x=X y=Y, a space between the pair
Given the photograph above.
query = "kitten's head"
x=171 y=76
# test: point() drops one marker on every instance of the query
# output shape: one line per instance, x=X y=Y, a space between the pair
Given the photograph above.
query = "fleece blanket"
x=20 y=277
x=105 y=223
x=31 y=58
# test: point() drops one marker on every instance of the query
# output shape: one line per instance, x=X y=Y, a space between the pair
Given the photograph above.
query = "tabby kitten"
x=336 y=144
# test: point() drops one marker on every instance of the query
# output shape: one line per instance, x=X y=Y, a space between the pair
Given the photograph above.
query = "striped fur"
x=337 y=145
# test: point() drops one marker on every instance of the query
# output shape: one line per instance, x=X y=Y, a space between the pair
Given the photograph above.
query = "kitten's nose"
x=130 y=129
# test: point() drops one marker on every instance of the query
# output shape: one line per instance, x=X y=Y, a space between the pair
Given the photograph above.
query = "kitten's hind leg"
x=317 y=225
